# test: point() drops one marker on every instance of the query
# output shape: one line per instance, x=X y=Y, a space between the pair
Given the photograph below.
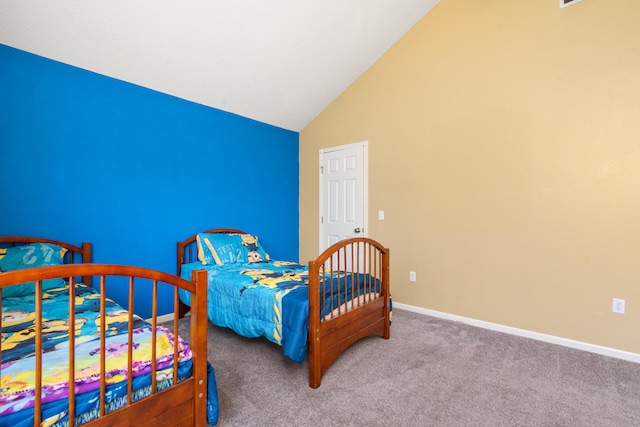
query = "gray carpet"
x=432 y=372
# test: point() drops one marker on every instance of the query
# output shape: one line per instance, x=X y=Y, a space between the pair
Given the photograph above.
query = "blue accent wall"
x=84 y=157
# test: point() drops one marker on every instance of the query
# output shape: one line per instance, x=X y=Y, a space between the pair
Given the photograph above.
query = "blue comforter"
x=268 y=299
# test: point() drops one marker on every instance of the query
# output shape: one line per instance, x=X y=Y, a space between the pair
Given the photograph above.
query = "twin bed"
x=60 y=328
x=319 y=309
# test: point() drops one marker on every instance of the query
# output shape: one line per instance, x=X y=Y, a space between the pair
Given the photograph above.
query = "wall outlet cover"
x=565 y=3
x=618 y=306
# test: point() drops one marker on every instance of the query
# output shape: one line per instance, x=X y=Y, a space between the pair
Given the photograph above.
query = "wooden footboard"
x=182 y=403
x=348 y=300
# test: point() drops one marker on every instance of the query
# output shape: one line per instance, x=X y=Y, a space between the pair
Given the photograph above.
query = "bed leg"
x=315 y=368
x=315 y=375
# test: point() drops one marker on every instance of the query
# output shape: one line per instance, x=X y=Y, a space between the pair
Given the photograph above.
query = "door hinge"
x=321 y=169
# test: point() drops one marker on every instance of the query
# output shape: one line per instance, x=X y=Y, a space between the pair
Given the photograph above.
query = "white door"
x=343 y=193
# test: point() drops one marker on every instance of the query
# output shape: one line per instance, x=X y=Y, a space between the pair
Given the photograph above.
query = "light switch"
x=380 y=215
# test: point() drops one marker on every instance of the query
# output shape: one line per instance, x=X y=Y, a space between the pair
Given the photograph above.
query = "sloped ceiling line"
x=280 y=62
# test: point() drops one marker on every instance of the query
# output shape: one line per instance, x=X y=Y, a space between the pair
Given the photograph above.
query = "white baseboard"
x=579 y=345
x=163 y=318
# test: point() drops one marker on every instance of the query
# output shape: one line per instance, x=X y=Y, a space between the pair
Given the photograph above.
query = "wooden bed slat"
x=38 y=352
x=130 y=341
x=154 y=338
x=103 y=345
x=176 y=298
x=72 y=346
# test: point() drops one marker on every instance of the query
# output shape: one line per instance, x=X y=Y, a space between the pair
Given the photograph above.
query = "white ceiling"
x=276 y=61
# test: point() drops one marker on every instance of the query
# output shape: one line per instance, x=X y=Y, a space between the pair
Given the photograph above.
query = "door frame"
x=365 y=187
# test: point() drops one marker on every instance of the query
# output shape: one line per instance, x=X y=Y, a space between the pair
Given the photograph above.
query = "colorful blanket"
x=18 y=359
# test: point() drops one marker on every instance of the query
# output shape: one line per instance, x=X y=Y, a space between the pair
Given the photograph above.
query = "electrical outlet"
x=618 y=306
x=412 y=276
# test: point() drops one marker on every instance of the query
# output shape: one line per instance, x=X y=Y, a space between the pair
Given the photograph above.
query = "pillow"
x=63 y=251
x=30 y=256
x=253 y=250
x=219 y=248
x=224 y=248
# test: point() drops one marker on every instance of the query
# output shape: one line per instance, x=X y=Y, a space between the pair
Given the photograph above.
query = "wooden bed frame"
x=181 y=404
x=330 y=335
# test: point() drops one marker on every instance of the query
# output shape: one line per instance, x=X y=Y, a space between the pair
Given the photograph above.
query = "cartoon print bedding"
x=18 y=359
x=270 y=299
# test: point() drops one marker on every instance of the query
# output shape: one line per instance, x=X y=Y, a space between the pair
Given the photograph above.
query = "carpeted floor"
x=432 y=372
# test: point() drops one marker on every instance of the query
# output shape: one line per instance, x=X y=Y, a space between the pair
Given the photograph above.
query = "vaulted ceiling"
x=276 y=61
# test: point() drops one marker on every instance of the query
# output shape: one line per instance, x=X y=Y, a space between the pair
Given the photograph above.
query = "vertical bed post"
x=182 y=307
x=315 y=373
x=180 y=259
x=387 y=293
x=198 y=338
x=87 y=256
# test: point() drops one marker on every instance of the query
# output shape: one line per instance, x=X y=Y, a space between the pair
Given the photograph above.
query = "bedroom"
x=516 y=123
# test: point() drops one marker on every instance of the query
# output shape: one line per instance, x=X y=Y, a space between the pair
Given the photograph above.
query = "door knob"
x=357 y=230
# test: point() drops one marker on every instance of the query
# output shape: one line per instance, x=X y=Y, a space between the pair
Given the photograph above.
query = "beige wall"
x=504 y=149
